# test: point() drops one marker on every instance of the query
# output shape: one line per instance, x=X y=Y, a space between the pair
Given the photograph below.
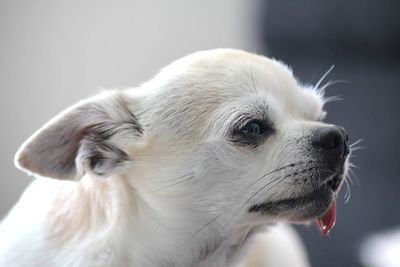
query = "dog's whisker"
x=277 y=181
x=282 y=193
x=269 y=173
x=202 y=228
x=352 y=152
x=180 y=180
x=352 y=165
x=358 y=141
x=248 y=200
x=280 y=180
x=352 y=174
x=251 y=225
x=347 y=195
x=355 y=148
x=246 y=233
x=207 y=211
x=279 y=169
x=323 y=77
x=349 y=178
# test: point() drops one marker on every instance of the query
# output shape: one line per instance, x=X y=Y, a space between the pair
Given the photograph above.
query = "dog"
x=183 y=170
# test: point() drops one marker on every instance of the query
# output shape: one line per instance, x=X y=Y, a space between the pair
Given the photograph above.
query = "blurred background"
x=54 y=53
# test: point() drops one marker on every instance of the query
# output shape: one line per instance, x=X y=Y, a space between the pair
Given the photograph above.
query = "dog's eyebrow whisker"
x=331 y=99
x=252 y=77
x=330 y=83
x=323 y=77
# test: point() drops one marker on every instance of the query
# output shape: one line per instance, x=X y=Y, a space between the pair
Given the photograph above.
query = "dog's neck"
x=141 y=233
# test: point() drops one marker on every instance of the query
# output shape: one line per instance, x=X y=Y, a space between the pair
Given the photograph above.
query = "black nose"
x=332 y=140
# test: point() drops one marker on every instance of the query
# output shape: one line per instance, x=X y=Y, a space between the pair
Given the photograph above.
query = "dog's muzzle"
x=332 y=145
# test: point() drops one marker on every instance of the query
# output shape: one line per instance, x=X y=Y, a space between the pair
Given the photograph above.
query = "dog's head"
x=220 y=138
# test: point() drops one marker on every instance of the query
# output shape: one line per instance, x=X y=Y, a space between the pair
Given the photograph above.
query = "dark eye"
x=253 y=133
x=252 y=128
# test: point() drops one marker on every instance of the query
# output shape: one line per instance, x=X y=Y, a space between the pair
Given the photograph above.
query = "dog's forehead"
x=194 y=87
x=232 y=73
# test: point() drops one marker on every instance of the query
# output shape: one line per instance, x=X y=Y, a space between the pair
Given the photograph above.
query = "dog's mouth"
x=327 y=221
x=318 y=205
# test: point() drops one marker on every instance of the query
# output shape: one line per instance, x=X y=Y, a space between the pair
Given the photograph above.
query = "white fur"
x=181 y=196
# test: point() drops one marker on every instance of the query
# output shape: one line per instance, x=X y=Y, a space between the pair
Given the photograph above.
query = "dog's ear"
x=89 y=136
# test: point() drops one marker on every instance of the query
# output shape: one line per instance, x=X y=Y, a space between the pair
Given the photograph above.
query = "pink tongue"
x=326 y=222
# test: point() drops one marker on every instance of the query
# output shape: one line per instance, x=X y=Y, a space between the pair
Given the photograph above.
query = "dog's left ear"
x=90 y=136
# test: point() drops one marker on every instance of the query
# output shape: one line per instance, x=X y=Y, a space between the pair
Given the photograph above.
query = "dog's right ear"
x=90 y=136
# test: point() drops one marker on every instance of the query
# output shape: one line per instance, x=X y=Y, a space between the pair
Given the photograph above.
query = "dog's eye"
x=252 y=133
x=252 y=128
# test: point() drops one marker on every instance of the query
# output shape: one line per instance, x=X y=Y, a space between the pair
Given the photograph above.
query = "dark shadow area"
x=362 y=40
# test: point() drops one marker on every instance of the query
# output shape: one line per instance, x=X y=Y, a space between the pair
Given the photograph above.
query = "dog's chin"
x=303 y=208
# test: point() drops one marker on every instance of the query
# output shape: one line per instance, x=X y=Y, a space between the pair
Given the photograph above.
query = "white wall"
x=53 y=53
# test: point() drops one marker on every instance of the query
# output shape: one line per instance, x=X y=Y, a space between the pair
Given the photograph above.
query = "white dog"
x=180 y=171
